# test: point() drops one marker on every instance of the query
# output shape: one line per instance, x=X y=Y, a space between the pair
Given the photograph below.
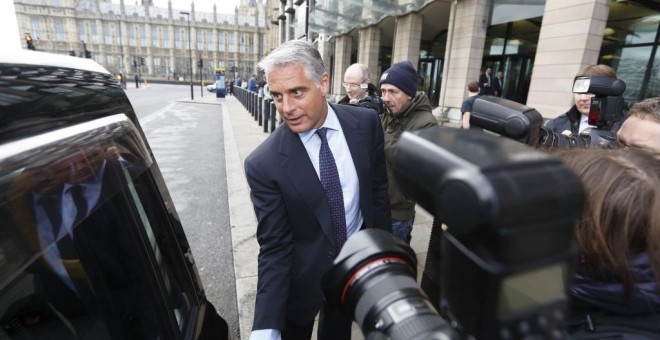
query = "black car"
x=91 y=246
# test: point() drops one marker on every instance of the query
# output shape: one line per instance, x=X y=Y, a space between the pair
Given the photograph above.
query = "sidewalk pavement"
x=242 y=134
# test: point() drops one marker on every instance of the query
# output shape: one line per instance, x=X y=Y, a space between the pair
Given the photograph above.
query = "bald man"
x=359 y=91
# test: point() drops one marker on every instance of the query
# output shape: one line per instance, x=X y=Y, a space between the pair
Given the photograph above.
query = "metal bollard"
x=273 y=114
x=260 y=110
x=252 y=104
x=255 y=106
x=266 y=114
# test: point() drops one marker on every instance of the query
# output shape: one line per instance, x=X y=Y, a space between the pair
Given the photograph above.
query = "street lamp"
x=122 y=71
x=192 y=97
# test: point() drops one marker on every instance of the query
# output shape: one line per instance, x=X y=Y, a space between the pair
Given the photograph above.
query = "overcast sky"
x=223 y=6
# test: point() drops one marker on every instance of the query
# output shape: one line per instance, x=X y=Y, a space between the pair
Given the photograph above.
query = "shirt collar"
x=331 y=122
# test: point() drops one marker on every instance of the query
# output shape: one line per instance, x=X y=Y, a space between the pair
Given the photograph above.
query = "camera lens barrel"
x=373 y=282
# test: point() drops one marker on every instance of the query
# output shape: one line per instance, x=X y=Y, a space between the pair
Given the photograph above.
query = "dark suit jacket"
x=295 y=230
x=497 y=87
x=485 y=87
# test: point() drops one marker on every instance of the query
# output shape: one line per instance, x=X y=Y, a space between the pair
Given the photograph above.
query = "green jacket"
x=418 y=116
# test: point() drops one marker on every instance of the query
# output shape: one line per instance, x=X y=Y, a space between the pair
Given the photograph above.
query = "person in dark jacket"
x=485 y=82
x=359 y=91
x=615 y=292
x=466 y=106
x=405 y=110
x=575 y=120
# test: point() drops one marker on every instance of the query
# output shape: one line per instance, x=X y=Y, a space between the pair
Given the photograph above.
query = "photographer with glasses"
x=359 y=91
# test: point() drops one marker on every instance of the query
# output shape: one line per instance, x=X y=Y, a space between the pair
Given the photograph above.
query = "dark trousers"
x=332 y=326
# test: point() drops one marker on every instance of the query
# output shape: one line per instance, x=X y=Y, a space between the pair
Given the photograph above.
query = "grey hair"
x=296 y=52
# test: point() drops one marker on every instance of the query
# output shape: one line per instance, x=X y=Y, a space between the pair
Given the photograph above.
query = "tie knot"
x=322 y=133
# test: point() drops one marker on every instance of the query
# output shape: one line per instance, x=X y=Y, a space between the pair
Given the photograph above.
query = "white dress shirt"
x=350 y=185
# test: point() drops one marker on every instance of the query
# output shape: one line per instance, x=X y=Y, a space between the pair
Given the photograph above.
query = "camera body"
x=605 y=110
x=506 y=255
x=607 y=102
x=507 y=118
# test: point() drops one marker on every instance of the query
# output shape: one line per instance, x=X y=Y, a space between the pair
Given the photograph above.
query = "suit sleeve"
x=483 y=81
x=275 y=246
x=382 y=214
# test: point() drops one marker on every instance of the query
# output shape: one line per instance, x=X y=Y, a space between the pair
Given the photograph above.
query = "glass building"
x=539 y=45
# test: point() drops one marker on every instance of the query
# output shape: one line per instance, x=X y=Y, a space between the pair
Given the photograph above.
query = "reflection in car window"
x=77 y=212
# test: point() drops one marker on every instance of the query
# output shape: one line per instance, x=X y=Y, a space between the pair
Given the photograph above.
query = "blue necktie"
x=332 y=187
x=79 y=200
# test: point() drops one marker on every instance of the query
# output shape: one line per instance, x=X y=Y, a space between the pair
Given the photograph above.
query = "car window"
x=86 y=250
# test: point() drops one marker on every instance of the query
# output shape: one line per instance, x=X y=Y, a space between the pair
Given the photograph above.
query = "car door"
x=91 y=246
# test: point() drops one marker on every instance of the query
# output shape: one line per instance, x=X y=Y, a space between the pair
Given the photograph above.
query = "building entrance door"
x=517 y=75
x=430 y=78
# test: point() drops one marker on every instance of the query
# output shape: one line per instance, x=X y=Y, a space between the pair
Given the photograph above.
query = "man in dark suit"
x=485 y=84
x=303 y=217
x=498 y=84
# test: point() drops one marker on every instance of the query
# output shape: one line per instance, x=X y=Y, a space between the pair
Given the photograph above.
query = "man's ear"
x=325 y=82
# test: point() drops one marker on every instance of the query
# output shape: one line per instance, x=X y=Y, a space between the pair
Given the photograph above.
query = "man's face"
x=499 y=74
x=489 y=71
x=394 y=99
x=298 y=99
x=582 y=102
x=352 y=80
x=641 y=133
x=79 y=168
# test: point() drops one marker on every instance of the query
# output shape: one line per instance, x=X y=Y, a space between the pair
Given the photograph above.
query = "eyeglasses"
x=351 y=85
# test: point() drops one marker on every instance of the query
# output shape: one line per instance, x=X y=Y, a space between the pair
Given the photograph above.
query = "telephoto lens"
x=372 y=281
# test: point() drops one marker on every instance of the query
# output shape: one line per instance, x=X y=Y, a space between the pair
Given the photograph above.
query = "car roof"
x=27 y=57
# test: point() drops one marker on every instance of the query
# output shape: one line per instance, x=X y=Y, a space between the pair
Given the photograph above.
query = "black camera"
x=606 y=106
x=505 y=259
x=523 y=123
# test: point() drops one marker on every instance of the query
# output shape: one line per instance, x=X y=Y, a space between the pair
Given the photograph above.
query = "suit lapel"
x=300 y=171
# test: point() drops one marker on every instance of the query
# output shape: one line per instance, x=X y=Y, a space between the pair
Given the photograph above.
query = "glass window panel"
x=630 y=64
x=95 y=33
x=653 y=87
x=106 y=33
x=60 y=33
x=131 y=34
x=154 y=36
x=166 y=38
x=508 y=11
x=81 y=31
x=221 y=41
x=75 y=265
x=142 y=38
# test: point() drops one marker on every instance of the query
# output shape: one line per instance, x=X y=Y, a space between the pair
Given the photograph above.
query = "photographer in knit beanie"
x=405 y=110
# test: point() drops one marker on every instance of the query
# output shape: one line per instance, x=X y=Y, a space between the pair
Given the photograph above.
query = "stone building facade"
x=150 y=41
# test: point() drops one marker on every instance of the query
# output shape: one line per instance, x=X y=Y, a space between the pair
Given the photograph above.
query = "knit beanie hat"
x=403 y=76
